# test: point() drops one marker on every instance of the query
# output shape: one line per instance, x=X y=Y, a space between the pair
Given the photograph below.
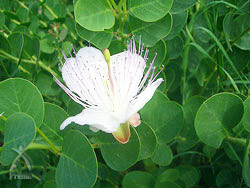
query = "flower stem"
x=53 y=148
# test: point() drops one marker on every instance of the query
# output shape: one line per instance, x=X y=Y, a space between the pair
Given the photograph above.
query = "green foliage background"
x=194 y=131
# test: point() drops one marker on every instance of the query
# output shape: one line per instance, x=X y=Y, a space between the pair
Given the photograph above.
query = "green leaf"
x=19 y=95
x=160 y=51
x=163 y=155
x=189 y=175
x=179 y=21
x=165 y=118
x=63 y=34
x=56 y=10
x=19 y=133
x=93 y=17
x=77 y=166
x=116 y=47
x=2 y=20
x=107 y=174
x=53 y=118
x=150 y=10
x=101 y=39
x=174 y=47
x=166 y=184
x=50 y=184
x=148 y=140
x=169 y=175
x=216 y=117
x=237 y=30
x=225 y=178
x=46 y=84
x=137 y=179
x=180 y=5
x=47 y=45
x=246 y=164
x=150 y=32
x=17 y=41
x=190 y=107
x=4 y=44
x=122 y=156
x=246 y=117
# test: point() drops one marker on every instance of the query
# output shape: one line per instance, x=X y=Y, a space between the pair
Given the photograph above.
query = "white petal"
x=102 y=120
x=143 y=97
x=86 y=75
x=126 y=70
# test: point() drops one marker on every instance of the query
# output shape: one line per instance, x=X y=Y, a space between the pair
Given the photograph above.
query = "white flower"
x=111 y=92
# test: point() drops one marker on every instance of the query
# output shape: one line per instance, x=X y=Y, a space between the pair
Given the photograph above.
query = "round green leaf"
x=19 y=95
x=116 y=47
x=148 y=140
x=150 y=10
x=137 y=179
x=189 y=175
x=225 y=178
x=246 y=117
x=160 y=51
x=169 y=175
x=93 y=17
x=46 y=84
x=163 y=155
x=188 y=132
x=47 y=45
x=179 y=21
x=174 y=47
x=180 y=5
x=165 y=118
x=234 y=26
x=150 y=32
x=166 y=184
x=19 y=133
x=119 y=156
x=216 y=116
x=101 y=39
x=50 y=184
x=107 y=174
x=53 y=118
x=77 y=166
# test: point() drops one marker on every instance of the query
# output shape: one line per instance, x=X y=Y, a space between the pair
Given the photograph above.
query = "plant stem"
x=239 y=141
x=241 y=35
x=25 y=168
x=41 y=64
x=43 y=146
x=53 y=148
